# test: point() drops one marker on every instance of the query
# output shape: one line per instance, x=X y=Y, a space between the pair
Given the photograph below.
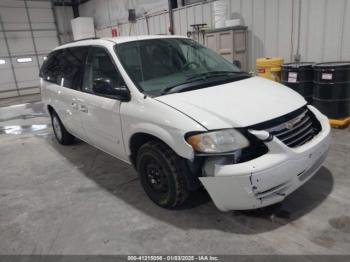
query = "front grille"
x=294 y=129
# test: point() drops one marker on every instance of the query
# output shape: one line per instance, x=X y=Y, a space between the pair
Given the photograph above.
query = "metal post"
x=170 y=5
x=55 y=21
x=297 y=56
x=75 y=7
x=147 y=24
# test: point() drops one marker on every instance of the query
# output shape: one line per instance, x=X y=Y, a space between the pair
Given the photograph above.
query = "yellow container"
x=340 y=123
x=269 y=67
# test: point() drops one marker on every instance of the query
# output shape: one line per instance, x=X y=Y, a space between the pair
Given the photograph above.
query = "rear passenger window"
x=65 y=67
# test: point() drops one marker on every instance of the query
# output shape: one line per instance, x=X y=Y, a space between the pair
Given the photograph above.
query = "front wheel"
x=162 y=174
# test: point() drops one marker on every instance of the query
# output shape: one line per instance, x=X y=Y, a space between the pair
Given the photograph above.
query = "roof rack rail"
x=89 y=38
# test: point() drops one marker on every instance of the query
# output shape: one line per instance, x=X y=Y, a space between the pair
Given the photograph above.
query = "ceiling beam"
x=68 y=2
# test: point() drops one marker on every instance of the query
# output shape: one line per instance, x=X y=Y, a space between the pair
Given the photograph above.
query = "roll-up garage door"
x=27 y=34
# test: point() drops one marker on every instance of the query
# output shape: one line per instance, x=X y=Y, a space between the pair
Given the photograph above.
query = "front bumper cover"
x=270 y=178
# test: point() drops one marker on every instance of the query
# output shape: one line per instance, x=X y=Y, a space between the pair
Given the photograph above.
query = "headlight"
x=218 y=141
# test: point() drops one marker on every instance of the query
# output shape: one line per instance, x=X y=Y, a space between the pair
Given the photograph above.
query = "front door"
x=100 y=115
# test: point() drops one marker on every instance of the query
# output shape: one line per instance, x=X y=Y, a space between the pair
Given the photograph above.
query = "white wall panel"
x=40 y=19
x=183 y=21
x=27 y=74
x=64 y=15
x=8 y=94
x=333 y=29
x=198 y=14
x=315 y=24
x=345 y=46
x=190 y=18
x=105 y=32
x=184 y=17
x=24 y=37
x=207 y=10
x=6 y=76
x=176 y=19
x=14 y=18
x=45 y=41
x=39 y=4
x=113 y=12
x=3 y=49
x=11 y=3
x=20 y=43
x=272 y=25
x=258 y=28
x=284 y=47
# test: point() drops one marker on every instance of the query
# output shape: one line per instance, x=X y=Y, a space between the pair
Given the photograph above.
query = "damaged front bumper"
x=269 y=178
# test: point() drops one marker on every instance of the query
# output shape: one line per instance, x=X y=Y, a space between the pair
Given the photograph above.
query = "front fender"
x=149 y=116
x=174 y=138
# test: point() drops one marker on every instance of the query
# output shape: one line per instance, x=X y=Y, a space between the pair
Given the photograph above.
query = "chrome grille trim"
x=283 y=125
x=300 y=138
x=294 y=134
x=294 y=129
x=306 y=119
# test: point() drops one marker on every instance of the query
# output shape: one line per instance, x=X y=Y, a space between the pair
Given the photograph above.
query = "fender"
x=174 y=138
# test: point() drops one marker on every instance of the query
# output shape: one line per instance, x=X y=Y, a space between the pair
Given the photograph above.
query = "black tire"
x=168 y=189
x=62 y=135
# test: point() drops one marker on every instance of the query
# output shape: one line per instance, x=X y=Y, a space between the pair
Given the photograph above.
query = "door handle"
x=83 y=109
x=74 y=105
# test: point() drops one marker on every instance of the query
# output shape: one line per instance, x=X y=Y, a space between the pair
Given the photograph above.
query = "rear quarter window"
x=50 y=70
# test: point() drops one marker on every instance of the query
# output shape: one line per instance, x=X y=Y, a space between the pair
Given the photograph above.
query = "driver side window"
x=99 y=66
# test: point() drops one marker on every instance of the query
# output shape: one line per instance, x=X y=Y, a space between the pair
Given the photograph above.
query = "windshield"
x=159 y=64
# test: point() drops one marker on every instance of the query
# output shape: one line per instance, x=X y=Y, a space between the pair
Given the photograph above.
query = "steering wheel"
x=190 y=65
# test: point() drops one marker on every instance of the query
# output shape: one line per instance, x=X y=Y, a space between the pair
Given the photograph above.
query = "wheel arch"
x=50 y=109
x=175 y=141
x=137 y=140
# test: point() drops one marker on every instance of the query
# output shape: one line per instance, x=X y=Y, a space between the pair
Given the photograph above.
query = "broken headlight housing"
x=221 y=141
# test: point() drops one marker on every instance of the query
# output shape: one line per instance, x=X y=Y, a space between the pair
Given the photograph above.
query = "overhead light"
x=24 y=60
x=2 y=61
x=44 y=58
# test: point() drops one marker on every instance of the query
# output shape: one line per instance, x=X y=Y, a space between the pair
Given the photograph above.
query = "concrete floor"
x=79 y=200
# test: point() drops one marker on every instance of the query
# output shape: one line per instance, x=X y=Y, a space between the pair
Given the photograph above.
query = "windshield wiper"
x=207 y=75
x=200 y=77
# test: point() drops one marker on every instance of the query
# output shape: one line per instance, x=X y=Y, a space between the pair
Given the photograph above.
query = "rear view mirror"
x=237 y=63
x=105 y=87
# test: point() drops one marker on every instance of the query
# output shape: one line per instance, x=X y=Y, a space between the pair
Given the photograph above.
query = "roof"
x=116 y=40
x=123 y=39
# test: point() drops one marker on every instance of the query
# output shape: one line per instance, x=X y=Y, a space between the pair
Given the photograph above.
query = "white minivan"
x=184 y=117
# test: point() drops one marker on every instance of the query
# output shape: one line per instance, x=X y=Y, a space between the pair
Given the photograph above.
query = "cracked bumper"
x=270 y=178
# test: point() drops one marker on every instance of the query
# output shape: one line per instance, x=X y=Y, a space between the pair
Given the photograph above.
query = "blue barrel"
x=299 y=77
x=332 y=89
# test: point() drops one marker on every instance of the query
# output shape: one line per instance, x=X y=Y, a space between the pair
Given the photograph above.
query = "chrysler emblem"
x=289 y=125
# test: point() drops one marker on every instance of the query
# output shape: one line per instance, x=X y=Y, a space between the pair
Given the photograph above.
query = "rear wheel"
x=162 y=174
x=62 y=135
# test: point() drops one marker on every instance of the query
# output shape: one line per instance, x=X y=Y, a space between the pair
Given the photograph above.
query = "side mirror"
x=106 y=88
x=237 y=63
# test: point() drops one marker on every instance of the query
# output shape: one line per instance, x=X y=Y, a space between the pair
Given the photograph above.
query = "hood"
x=237 y=104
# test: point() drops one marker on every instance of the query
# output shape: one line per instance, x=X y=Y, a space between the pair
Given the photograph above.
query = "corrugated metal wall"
x=27 y=34
x=272 y=24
